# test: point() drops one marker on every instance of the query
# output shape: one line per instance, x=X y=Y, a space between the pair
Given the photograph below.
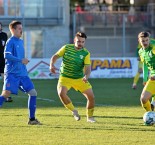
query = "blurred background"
x=112 y=26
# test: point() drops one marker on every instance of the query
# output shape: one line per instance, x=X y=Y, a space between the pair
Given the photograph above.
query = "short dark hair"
x=81 y=34
x=143 y=34
x=14 y=24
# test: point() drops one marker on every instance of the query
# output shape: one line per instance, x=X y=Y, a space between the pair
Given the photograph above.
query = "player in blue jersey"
x=15 y=72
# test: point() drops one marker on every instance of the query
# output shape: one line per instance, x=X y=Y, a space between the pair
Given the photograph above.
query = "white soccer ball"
x=149 y=118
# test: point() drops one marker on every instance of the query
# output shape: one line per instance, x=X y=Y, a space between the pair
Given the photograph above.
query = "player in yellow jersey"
x=147 y=55
x=140 y=64
x=143 y=68
x=74 y=73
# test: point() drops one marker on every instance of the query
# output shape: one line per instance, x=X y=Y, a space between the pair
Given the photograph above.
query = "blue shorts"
x=12 y=83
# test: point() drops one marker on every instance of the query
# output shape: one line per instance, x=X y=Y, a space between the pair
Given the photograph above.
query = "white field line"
x=50 y=100
x=42 y=99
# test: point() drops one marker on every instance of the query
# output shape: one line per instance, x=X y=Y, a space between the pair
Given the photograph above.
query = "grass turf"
x=118 y=114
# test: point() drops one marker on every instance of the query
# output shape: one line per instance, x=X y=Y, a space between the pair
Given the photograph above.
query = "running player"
x=147 y=56
x=76 y=58
x=140 y=64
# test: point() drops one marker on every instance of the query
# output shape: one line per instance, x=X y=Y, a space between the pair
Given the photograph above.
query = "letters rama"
x=110 y=64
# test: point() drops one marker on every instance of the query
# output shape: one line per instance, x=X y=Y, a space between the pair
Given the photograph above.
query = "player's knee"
x=61 y=94
x=143 y=100
x=32 y=92
x=6 y=94
x=90 y=98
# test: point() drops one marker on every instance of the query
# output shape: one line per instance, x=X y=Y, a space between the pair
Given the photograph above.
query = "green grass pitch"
x=118 y=113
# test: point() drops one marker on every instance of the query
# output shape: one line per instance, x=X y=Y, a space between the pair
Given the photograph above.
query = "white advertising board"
x=101 y=68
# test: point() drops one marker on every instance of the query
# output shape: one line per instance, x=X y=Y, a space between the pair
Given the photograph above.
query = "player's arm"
x=87 y=68
x=52 y=62
x=87 y=71
x=54 y=58
x=9 y=56
x=153 y=49
x=8 y=53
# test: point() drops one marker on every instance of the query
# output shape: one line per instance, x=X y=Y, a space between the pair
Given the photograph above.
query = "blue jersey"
x=14 y=53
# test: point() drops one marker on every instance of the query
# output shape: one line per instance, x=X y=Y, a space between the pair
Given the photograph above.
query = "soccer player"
x=3 y=39
x=140 y=64
x=147 y=56
x=74 y=73
x=15 y=72
x=145 y=79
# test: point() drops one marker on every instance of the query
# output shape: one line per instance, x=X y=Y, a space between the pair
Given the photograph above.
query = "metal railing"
x=112 y=33
x=151 y=11
x=111 y=18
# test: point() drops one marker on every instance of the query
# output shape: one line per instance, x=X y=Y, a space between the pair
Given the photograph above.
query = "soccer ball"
x=149 y=118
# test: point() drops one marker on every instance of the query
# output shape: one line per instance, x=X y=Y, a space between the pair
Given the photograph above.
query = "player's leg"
x=90 y=105
x=5 y=94
x=145 y=100
x=62 y=93
x=28 y=86
x=86 y=90
x=8 y=99
x=9 y=86
x=136 y=78
x=32 y=107
x=147 y=92
x=64 y=84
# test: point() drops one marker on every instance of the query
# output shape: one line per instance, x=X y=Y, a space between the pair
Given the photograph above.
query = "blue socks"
x=32 y=107
x=2 y=99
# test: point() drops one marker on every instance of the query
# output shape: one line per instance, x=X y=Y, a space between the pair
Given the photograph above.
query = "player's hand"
x=85 y=79
x=144 y=83
x=53 y=69
x=25 y=61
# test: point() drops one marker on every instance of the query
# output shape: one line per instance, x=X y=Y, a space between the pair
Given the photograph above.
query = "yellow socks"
x=70 y=106
x=89 y=112
x=147 y=106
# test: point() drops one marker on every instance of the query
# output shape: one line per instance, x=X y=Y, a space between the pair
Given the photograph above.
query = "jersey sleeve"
x=8 y=52
x=153 y=50
x=87 y=59
x=61 y=51
x=140 y=55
